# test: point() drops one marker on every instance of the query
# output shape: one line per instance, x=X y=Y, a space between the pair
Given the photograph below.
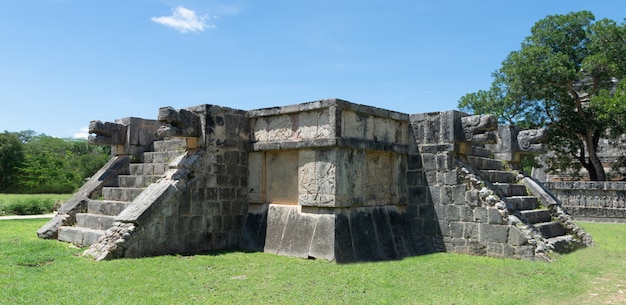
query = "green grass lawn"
x=34 y=271
x=43 y=202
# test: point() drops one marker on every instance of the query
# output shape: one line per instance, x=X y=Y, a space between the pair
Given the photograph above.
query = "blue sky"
x=64 y=63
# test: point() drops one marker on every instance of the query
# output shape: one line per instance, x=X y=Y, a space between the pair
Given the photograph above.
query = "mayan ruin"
x=327 y=179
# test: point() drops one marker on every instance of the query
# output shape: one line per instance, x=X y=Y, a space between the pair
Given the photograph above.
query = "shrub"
x=30 y=206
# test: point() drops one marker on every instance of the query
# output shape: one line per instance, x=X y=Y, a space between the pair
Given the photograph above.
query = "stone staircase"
x=505 y=183
x=102 y=212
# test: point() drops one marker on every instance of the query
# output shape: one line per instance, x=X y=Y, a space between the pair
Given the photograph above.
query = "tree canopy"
x=568 y=76
x=37 y=163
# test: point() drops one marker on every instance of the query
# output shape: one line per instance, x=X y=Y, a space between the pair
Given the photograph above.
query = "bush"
x=30 y=206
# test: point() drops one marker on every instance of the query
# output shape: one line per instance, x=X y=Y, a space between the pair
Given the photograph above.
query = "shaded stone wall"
x=459 y=213
x=593 y=201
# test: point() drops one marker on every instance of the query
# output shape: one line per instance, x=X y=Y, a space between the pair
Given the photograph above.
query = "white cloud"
x=82 y=134
x=184 y=20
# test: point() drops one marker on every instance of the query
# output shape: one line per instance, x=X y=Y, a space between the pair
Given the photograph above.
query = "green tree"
x=566 y=77
x=11 y=158
x=54 y=165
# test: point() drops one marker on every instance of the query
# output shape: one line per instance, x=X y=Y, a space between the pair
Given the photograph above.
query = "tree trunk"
x=591 y=142
x=588 y=166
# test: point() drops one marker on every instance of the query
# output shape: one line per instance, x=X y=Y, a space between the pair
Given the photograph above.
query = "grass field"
x=34 y=271
x=27 y=203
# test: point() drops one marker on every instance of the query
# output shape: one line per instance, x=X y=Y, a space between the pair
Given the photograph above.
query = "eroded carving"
x=178 y=123
x=107 y=133
x=479 y=128
x=530 y=140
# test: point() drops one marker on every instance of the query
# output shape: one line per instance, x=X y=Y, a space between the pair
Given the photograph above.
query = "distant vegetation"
x=32 y=163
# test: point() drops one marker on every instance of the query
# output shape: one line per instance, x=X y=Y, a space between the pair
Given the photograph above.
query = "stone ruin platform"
x=327 y=179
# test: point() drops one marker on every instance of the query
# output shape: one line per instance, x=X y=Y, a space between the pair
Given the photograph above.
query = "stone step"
x=137 y=181
x=173 y=144
x=523 y=202
x=537 y=216
x=551 y=229
x=484 y=163
x=509 y=190
x=498 y=176
x=106 y=207
x=481 y=152
x=138 y=169
x=94 y=221
x=161 y=157
x=79 y=236
x=121 y=193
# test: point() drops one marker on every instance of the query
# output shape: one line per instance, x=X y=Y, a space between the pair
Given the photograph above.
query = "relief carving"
x=479 y=128
x=530 y=140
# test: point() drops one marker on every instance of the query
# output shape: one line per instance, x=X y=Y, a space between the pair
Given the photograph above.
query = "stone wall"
x=328 y=179
x=593 y=201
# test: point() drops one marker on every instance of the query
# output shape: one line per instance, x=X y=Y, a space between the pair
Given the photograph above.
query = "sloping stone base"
x=343 y=235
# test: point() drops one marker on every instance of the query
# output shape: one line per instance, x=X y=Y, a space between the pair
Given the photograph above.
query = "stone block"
x=452 y=213
x=445 y=163
x=466 y=213
x=509 y=251
x=435 y=194
x=429 y=162
x=440 y=211
x=477 y=248
x=253 y=233
x=415 y=178
x=384 y=234
x=282 y=177
x=277 y=216
x=444 y=228
x=459 y=244
x=470 y=230
x=414 y=162
x=516 y=237
x=492 y=233
x=494 y=216
x=457 y=229
x=525 y=252
x=364 y=239
x=427 y=212
x=417 y=194
x=344 y=248
x=323 y=241
x=495 y=249
x=480 y=214
x=299 y=229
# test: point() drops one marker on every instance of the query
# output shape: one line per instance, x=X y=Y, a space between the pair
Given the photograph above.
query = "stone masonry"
x=601 y=201
x=327 y=179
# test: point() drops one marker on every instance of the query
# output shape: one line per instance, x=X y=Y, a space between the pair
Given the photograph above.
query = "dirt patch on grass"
x=607 y=289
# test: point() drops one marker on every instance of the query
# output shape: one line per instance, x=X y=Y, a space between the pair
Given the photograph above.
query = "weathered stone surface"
x=107 y=133
x=178 y=123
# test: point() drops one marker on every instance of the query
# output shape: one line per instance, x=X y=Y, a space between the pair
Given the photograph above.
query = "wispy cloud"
x=82 y=134
x=185 y=20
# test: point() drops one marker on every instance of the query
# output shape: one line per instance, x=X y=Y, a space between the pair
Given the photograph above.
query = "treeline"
x=32 y=163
